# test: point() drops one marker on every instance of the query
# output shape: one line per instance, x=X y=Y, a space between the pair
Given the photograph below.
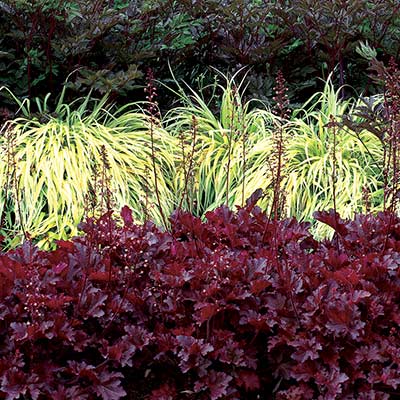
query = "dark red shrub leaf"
x=191 y=346
x=20 y=330
x=164 y=392
x=331 y=382
x=102 y=276
x=65 y=245
x=121 y=352
x=332 y=219
x=259 y=285
x=296 y=392
x=253 y=199
x=305 y=349
x=56 y=302
x=9 y=271
x=59 y=268
x=138 y=336
x=347 y=276
x=206 y=311
x=16 y=383
x=93 y=302
x=126 y=214
x=216 y=383
x=108 y=385
x=249 y=380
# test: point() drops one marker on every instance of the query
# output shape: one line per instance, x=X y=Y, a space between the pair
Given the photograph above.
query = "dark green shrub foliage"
x=330 y=32
x=43 y=41
x=112 y=42
x=237 y=307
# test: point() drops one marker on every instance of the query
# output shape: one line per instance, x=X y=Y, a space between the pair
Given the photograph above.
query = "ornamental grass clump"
x=227 y=145
x=292 y=158
x=199 y=155
x=53 y=156
x=319 y=152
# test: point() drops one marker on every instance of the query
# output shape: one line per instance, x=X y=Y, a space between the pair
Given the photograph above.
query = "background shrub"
x=109 y=44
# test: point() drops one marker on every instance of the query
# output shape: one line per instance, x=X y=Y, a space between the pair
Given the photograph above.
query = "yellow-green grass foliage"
x=205 y=156
x=50 y=162
x=234 y=154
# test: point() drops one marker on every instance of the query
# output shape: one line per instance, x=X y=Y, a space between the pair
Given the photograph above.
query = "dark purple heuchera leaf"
x=331 y=382
x=16 y=383
x=121 y=352
x=20 y=331
x=258 y=321
x=232 y=353
x=102 y=382
x=67 y=393
x=164 y=392
x=206 y=311
x=186 y=227
x=257 y=286
x=248 y=379
x=192 y=353
x=332 y=219
x=27 y=254
x=138 y=336
x=225 y=227
x=9 y=271
x=108 y=386
x=216 y=383
x=126 y=214
x=103 y=276
x=59 y=268
x=92 y=302
x=253 y=199
x=56 y=302
x=297 y=392
x=292 y=233
x=306 y=349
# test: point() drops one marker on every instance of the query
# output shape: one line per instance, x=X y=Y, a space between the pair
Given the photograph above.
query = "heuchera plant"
x=231 y=308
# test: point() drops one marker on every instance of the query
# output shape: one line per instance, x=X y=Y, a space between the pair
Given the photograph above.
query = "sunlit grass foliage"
x=314 y=147
x=317 y=168
x=209 y=151
x=54 y=160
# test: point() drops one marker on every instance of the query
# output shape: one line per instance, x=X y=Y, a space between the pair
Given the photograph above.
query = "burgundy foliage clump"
x=237 y=307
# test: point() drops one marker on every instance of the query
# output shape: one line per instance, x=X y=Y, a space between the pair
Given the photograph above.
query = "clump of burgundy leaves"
x=237 y=307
